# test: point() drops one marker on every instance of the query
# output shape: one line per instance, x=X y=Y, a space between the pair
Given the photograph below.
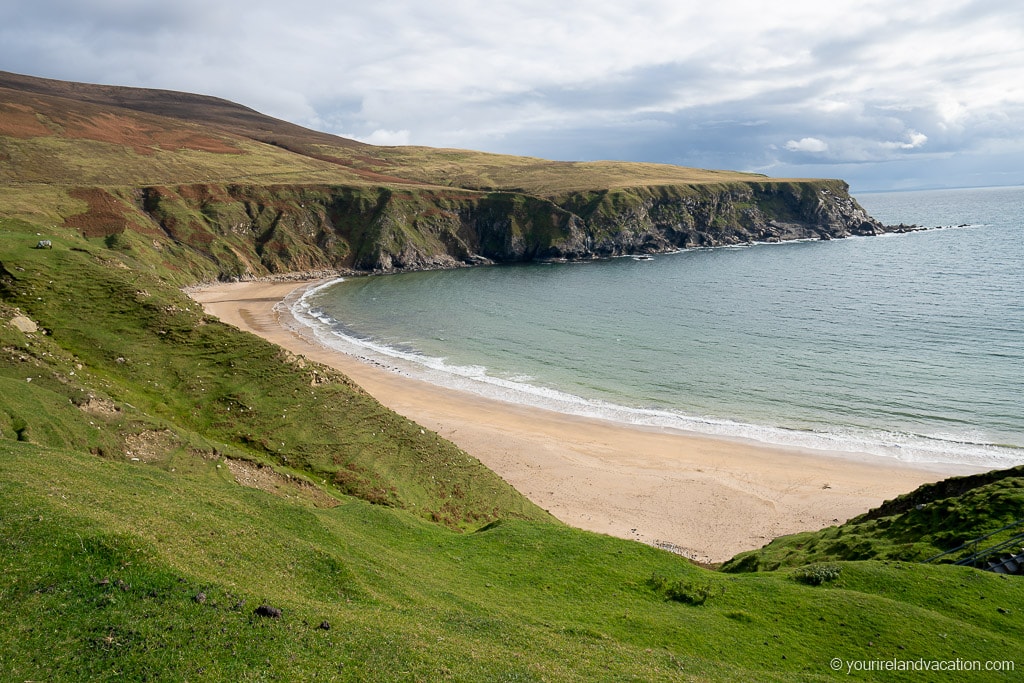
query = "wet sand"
x=708 y=498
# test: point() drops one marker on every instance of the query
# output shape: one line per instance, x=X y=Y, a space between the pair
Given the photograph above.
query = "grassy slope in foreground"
x=123 y=359
x=114 y=568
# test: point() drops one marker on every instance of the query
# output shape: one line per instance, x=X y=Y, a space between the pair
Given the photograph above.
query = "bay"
x=908 y=346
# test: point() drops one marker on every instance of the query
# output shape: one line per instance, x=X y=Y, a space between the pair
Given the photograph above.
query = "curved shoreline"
x=707 y=497
x=929 y=452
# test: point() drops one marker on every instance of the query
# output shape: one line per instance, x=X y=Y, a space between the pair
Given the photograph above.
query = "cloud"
x=812 y=145
x=848 y=82
x=914 y=140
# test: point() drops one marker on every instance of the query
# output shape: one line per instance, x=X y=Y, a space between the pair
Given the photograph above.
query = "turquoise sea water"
x=906 y=346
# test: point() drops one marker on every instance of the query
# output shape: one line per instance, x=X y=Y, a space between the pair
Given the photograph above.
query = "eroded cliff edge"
x=245 y=231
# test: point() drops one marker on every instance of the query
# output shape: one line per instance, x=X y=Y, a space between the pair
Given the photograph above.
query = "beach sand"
x=707 y=498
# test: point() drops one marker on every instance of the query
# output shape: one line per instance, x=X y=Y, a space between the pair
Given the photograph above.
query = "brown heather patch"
x=39 y=117
x=105 y=216
x=190 y=232
x=20 y=121
x=142 y=137
x=199 y=236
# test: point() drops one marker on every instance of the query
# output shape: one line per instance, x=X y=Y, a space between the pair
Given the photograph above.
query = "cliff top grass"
x=488 y=172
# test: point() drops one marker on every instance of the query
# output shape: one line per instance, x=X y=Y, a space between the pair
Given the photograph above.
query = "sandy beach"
x=708 y=498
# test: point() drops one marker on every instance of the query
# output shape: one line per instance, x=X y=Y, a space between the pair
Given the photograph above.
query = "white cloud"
x=813 y=145
x=914 y=140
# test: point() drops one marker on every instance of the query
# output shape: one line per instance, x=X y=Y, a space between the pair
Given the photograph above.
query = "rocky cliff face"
x=249 y=231
x=647 y=220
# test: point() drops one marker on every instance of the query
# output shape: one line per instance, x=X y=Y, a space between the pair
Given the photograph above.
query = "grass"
x=913 y=527
x=145 y=349
x=104 y=562
x=101 y=163
x=497 y=172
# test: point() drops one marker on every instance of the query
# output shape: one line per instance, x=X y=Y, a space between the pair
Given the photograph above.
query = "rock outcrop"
x=243 y=231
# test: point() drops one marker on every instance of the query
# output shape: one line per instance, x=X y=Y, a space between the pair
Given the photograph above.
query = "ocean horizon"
x=903 y=346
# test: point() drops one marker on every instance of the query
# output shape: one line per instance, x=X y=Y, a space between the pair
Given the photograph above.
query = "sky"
x=887 y=95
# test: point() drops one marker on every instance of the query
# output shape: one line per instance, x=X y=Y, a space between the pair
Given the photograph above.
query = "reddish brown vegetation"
x=200 y=193
x=20 y=121
x=105 y=216
x=24 y=116
x=142 y=137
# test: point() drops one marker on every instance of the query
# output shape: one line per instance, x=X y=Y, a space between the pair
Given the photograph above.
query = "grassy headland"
x=917 y=526
x=129 y=422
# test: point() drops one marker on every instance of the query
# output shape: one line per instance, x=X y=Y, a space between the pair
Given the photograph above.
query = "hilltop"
x=153 y=121
x=183 y=501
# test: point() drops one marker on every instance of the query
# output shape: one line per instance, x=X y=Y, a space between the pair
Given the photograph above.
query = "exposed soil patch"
x=150 y=445
x=266 y=479
x=100 y=406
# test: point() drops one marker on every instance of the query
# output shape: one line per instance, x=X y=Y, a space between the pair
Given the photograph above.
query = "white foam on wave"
x=905 y=447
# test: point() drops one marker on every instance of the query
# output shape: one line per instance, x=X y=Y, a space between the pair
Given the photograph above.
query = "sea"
x=903 y=346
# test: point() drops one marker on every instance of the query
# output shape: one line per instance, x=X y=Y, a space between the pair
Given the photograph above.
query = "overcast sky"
x=886 y=94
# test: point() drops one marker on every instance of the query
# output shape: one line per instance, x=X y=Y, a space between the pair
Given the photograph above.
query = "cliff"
x=244 y=231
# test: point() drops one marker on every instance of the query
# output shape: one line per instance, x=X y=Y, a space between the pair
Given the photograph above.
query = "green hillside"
x=119 y=570
x=919 y=525
x=165 y=479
